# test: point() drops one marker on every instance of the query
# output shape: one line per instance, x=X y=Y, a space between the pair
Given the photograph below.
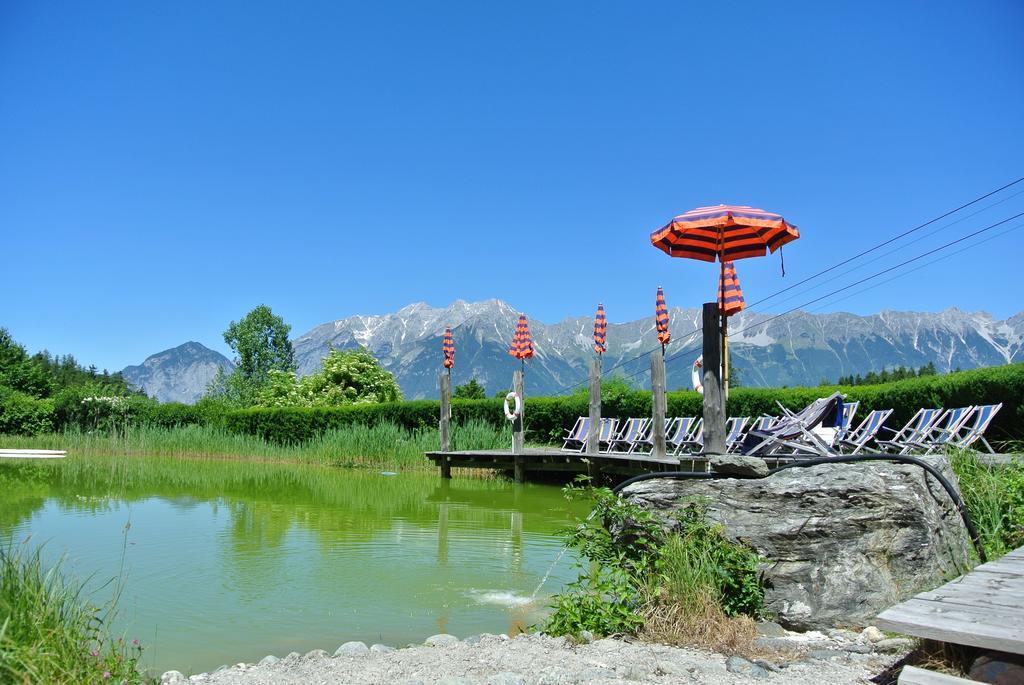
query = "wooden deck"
x=984 y=608
x=534 y=460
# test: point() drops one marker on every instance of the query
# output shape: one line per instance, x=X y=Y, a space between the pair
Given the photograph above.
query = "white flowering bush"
x=105 y=413
x=346 y=377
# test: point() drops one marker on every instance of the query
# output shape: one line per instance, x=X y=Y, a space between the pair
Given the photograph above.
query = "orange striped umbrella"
x=730 y=295
x=600 y=330
x=448 y=347
x=725 y=233
x=522 y=343
x=661 y=318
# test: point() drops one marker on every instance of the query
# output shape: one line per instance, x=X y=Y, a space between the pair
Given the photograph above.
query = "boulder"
x=738 y=465
x=840 y=542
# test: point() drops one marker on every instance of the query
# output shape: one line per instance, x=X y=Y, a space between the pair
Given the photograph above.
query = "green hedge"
x=547 y=418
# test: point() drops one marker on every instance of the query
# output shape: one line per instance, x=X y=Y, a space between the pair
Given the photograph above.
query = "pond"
x=223 y=561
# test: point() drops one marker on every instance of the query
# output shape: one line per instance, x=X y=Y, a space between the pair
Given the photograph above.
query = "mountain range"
x=800 y=348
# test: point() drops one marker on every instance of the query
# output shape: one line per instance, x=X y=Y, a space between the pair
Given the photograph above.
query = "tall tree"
x=260 y=342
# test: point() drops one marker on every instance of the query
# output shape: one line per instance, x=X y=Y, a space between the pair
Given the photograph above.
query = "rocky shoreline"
x=782 y=657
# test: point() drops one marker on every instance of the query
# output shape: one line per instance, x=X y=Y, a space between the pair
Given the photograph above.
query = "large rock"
x=842 y=542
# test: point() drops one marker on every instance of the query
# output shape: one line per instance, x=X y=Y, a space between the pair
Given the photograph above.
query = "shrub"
x=23 y=415
x=684 y=585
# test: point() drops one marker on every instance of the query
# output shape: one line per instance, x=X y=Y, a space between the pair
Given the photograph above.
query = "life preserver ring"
x=695 y=376
x=518 y=403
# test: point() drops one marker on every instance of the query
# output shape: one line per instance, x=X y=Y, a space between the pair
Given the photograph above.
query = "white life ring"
x=695 y=375
x=518 y=402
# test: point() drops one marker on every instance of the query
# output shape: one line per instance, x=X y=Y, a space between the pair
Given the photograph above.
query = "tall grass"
x=383 y=445
x=50 y=633
x=994 y=496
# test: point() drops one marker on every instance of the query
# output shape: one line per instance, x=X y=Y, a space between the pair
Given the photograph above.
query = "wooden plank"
x=988 y=627
x=594 y=428
x=32 y=454
x=911 y=675
x=658 y=403
x=714 y=402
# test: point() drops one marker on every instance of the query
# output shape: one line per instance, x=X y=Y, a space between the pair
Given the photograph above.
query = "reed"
x=994 y=496
x=378 y=446
x=51 y=633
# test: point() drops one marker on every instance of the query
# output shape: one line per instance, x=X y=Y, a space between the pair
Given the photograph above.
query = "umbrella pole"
x=725 y=332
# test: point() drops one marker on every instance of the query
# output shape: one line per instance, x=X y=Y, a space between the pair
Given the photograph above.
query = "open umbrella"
x=448 y=347
x=725 y=233
x=600 y=330
x=661 y=319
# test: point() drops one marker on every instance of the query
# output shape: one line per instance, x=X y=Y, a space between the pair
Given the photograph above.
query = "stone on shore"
x=840 y=542
x=739 y=665
x=441 y=640
x=354 y=648
x=173 y=678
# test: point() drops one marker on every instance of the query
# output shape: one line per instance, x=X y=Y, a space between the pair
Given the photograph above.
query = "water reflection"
x=232 y=561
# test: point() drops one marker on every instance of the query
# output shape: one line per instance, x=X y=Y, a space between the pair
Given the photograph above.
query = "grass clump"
x=994 y=496
x=50 y=633
x=683 y=584
x=381 y=445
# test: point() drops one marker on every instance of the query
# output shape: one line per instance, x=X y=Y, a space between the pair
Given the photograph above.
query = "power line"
x=890 y=240
x=884 y=271
x=836 y=266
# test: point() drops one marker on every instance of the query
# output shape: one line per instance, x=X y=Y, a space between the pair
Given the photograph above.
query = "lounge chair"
x=734 y=432
x=763 y=423
x=846 y=421
x=969 y=435
x=799 y=433
x=858 y=438
x=609 y=428
x=645 y=445
x=917 y=427
x=576 y=437
x=689 y=438
x=945 y=428
x=631 y=433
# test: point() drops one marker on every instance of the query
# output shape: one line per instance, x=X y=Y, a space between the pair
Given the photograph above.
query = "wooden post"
x=714 y=400
x=658 y=405
x=594 y=427
x=444 y=425
x=517 y=430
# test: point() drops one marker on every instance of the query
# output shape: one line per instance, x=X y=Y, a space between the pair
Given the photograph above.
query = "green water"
x=226 y=561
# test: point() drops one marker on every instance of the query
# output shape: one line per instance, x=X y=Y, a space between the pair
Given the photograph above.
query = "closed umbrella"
x=730 y=295
x=522 y=343
x=600 y=331
x=448 y=347
x=661 y=319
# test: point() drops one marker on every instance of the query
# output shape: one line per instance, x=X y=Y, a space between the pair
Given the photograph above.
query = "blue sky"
x=165 y=167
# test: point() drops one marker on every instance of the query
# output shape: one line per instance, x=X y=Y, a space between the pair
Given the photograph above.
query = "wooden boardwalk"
x=984 y=608
x=534 y=460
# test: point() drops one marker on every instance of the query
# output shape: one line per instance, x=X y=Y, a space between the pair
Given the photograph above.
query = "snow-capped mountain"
x=796 y=349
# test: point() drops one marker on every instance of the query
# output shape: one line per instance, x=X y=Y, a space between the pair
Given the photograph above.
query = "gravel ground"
x=542 y=660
